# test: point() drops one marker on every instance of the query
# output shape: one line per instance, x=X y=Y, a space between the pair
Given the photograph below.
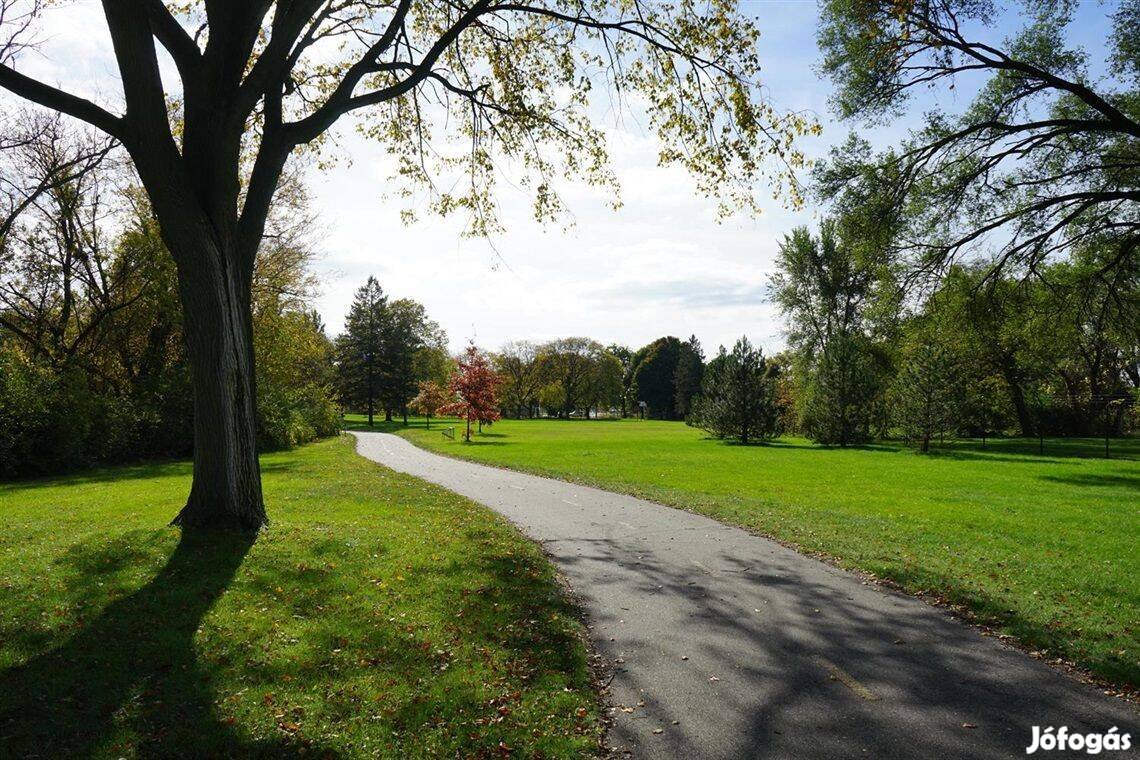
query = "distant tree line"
x=581 y=377
x=93 y=367
x=980 y=353
x=982 y=275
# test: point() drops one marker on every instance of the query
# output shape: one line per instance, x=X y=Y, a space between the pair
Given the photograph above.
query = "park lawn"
x=1043 y=548
x=377 y=616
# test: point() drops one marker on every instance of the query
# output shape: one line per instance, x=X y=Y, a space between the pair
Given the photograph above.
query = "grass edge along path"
x=1039 y=549
x=378 y=616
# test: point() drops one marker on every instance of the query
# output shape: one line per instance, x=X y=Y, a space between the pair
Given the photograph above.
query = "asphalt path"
x=725 y=644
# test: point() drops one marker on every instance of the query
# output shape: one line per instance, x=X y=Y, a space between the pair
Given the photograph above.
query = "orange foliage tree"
x=475 y=386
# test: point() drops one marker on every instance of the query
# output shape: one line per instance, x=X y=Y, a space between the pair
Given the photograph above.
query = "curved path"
x=728 y=645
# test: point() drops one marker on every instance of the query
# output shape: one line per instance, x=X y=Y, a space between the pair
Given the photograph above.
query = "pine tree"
x=405 y=333
x=360 y=348
x=838 y=401
x=926 y=394
x=738 y=396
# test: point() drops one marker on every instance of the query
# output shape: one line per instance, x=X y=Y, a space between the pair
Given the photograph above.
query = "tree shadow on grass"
x=1097 y=481
x=142 y=471
x=785 y=443
x=132 y=674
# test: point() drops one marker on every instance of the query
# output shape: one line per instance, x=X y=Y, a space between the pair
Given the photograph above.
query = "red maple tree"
x=475 y=385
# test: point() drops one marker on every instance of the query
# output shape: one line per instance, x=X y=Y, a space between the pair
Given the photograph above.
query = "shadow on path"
x=789 y=664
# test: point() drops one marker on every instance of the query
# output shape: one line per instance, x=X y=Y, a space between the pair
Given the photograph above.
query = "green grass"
x=1044 y=548
x=378 y=616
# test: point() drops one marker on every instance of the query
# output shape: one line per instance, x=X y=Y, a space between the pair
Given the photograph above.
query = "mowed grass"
x=378 y=616
x=1044 y=548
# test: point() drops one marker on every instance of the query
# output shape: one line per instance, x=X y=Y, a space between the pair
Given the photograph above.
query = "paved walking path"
x=728 y=645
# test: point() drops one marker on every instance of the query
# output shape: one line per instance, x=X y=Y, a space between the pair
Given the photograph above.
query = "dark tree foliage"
x=1086 y=329
x=838 y=404
x=826 y=287
x=690 y=372
x=988 y=320
x=628 y=399
x=406 y=332
x=738 y=396
x=984 y=407
x=654 y=373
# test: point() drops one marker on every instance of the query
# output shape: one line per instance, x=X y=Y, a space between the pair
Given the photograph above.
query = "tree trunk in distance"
x=1017 y=396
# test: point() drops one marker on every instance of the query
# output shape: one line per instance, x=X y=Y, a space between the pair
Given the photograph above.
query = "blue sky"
x=663 y=264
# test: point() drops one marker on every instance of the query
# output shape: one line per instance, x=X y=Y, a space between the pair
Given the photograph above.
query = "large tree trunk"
x=1020 y=407
x=226 y=492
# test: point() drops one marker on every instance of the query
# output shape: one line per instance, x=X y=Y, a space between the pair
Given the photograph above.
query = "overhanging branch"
x=58 y=100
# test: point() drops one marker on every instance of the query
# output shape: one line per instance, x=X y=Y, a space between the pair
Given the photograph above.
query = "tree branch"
x=58 y=100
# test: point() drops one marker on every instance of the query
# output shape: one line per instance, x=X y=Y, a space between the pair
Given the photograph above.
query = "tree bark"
x=226 y=491
x=1017 y=396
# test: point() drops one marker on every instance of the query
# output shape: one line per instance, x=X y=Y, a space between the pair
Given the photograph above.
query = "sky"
x=660 y=265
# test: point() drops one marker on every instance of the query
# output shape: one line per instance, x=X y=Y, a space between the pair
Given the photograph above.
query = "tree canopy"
x=1044 y=157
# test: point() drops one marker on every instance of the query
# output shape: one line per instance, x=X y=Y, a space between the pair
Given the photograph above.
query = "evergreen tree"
x=738 y=396
x=405 y=333
x=688 y=375
x=827 y=286
x=359 y=348
x=926 y=394
x=837 y=406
